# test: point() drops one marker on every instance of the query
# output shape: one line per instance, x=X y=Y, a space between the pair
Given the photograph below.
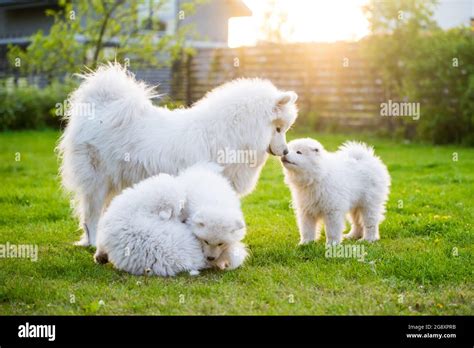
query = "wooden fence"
x=333 y=81
x=335 y=84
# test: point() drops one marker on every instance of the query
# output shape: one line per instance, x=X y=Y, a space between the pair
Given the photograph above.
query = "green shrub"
x=419 y=62
x=440 y=76
x=30 y=107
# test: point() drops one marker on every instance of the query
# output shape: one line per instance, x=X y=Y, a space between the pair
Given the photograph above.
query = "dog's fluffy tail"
x=112 y=93
x=357 y=150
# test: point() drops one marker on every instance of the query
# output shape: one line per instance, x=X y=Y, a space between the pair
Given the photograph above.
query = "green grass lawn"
x=422 y=265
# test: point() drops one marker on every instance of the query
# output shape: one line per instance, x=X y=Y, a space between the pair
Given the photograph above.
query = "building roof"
x=238 y=8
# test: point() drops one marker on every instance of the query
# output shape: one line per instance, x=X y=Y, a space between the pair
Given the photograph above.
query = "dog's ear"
x=182 y=215
x=285 y=98
x=198 y=220
x=239 y=224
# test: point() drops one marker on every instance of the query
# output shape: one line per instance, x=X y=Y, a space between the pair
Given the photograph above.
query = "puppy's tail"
x=111 y=93
x=357 y=150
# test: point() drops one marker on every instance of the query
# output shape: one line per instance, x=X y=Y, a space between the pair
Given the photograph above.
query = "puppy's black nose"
x=285 y=152
x=210 y=258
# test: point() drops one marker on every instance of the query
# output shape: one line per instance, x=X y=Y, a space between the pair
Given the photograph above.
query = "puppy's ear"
x=239 y=224
x=181 y=212
x=198 y=220
x=285 y=98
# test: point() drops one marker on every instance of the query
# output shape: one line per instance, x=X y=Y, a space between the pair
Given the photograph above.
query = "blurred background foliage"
x=86 y=33
x=419 y=62
x=415 y=60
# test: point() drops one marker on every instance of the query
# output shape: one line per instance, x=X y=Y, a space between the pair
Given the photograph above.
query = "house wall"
x=210 y=21
x=17 y=21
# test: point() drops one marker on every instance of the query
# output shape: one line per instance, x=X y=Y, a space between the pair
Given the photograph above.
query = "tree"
x=275 y=26
x=85 y=33
x=397 y=27
x=420 y=62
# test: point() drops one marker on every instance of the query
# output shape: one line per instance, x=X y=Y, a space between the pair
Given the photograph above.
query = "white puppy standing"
x=116 y=137
x=325 y=186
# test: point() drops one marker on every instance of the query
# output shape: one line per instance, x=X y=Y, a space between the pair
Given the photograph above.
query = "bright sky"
x=308 y=21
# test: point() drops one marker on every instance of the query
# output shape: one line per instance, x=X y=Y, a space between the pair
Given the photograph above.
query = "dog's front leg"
x=307 y=226
x=334 y=227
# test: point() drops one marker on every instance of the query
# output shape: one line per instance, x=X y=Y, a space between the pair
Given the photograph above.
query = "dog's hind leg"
x=371 y=219
x=319 y=225
x=357 y=228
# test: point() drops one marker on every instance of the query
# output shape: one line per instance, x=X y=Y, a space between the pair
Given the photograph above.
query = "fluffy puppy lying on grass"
x=143 y=231
x=212 y=209
x=325 y=186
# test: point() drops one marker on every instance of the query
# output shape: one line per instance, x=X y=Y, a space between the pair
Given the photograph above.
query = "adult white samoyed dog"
x=116 y=137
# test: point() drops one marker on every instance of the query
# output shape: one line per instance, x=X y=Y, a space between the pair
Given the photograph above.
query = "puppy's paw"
x=306 y=242
x=370 y=239
x=83 y=242
x=351 y=236
x=222 y=264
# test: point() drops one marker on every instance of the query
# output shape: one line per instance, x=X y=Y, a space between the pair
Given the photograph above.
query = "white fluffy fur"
x=142 y=228
x=325 y=186
x=141 y=232
x=126 y=139
x=213 y=211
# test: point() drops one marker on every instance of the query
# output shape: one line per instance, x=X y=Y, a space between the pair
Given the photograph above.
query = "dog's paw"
x=194 y=273
x=223 y=265
x=83 y=242
x=332 y=242
x=351 y=236
x=306 y=242
x=370 y=239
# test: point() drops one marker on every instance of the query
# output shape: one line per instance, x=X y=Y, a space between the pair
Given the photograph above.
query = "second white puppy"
x=212 y=209
x=325 y=186
x=142 y=230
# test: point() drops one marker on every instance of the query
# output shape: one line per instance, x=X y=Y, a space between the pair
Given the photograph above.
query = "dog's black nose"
x=285 y=152
x=210 y=258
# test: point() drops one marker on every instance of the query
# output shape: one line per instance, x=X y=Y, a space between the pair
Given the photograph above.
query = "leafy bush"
x=440 y=76
x=418 y=62
x=30 y=107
